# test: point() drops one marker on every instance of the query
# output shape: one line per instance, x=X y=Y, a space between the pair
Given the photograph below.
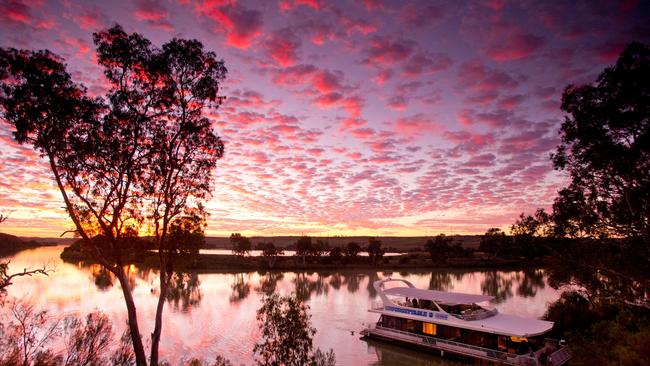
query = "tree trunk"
x=155 y=336
x=138 y=348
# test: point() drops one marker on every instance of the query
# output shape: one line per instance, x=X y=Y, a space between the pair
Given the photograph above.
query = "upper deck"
x=454 y=309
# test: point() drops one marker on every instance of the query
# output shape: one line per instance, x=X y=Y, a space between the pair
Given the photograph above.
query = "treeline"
x=310 y=250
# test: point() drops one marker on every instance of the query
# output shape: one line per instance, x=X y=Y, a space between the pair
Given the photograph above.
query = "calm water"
x=215 y=314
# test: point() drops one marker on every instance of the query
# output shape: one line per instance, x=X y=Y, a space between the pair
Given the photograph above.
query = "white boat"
x=449 y=322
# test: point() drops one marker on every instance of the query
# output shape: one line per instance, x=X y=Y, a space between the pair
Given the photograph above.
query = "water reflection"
x=184 y=291
x=102 y=277
x=351 y=280
x=241 y=288
x=440 y=281
x=310 y=284
x=533 y=279
x=269 y=282
x=496 y=284
x=214 y=313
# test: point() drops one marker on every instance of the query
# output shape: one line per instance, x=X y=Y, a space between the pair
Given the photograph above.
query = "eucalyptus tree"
x=606 y=152
x=140 y=158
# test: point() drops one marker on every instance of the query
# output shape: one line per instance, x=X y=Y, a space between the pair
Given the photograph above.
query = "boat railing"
x=477 y=315
x=489 y=353
x=377 y=305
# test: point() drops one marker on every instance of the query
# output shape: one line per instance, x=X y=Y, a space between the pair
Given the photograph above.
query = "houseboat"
x=454 y=323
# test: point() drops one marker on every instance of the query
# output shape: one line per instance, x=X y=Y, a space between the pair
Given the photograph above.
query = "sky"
x=381 y=118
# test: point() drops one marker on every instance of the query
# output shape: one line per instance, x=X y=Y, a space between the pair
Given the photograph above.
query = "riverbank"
x=10 y=244
x=215 y=263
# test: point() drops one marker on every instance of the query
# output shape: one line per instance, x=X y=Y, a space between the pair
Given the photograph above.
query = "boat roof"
x=449 y=298
x=514 y=325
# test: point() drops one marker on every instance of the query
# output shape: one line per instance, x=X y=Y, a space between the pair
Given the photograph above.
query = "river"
x=215 y=313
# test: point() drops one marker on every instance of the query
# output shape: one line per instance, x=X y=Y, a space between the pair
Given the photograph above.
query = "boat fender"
x=442 y=353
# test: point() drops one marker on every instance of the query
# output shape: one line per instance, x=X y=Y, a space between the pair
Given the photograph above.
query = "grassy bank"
x=205 y=263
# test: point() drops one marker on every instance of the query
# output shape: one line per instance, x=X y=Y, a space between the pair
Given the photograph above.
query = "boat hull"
x=442 y=347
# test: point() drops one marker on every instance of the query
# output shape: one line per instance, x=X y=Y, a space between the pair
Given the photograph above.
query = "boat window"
x=429 y=328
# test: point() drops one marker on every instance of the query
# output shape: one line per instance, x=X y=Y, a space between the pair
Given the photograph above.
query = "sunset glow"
x=350 y=118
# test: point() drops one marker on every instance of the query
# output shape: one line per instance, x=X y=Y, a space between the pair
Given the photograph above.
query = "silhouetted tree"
x=141 y=156
x=270 y=253
x=606 y=151
x=304 y=247
x=287 y=335
x=319 y=248
x=87 y=344
x=241 y=245
x=529 y=233
x=495 y=242
x=352 y=249
x=375 y=251
x=26 y=335
x=440 y=248
x=336 y=254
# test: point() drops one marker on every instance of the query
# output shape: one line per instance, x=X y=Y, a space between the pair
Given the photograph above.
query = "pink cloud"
x=326 y=81
x=426 y=63
x=419 y=16
x=384 y=51
x=482 y=84
x=608 y=52
x=471 y=142
x=363 y=133
x=397 y=102
x=293 y=75
x=19 y=13
x=286 y=5
x=416 y=125
x=511 y=102
x=241 y=25
x=480 y=161
x=328 y=100
x=514 y=47
x=15 y=11
x=153 y=14
x=282 y=46
x=89 y=18
x=249 y=99
x=383 y=76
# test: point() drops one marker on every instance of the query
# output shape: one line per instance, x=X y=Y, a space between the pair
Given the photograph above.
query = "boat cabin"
x=461 y=323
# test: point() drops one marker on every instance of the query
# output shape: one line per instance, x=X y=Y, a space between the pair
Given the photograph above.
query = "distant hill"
x=11 y=244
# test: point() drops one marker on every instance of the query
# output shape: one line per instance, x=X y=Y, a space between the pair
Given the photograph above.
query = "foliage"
x=304 y=247
x=270 y=252
x=537 y=224
x=139 y=157
x=287 y=334
x=375 y=251
x=25 y=337
x=352 y=249
x=601 y=332
x=123 y=355
x=336 y=253
x=319 y=248
x=218 y=361
x=441 y=248
x=606 y=151
x=186 y=235
x=495 y=242
x=87 y=343
x=241 y=245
